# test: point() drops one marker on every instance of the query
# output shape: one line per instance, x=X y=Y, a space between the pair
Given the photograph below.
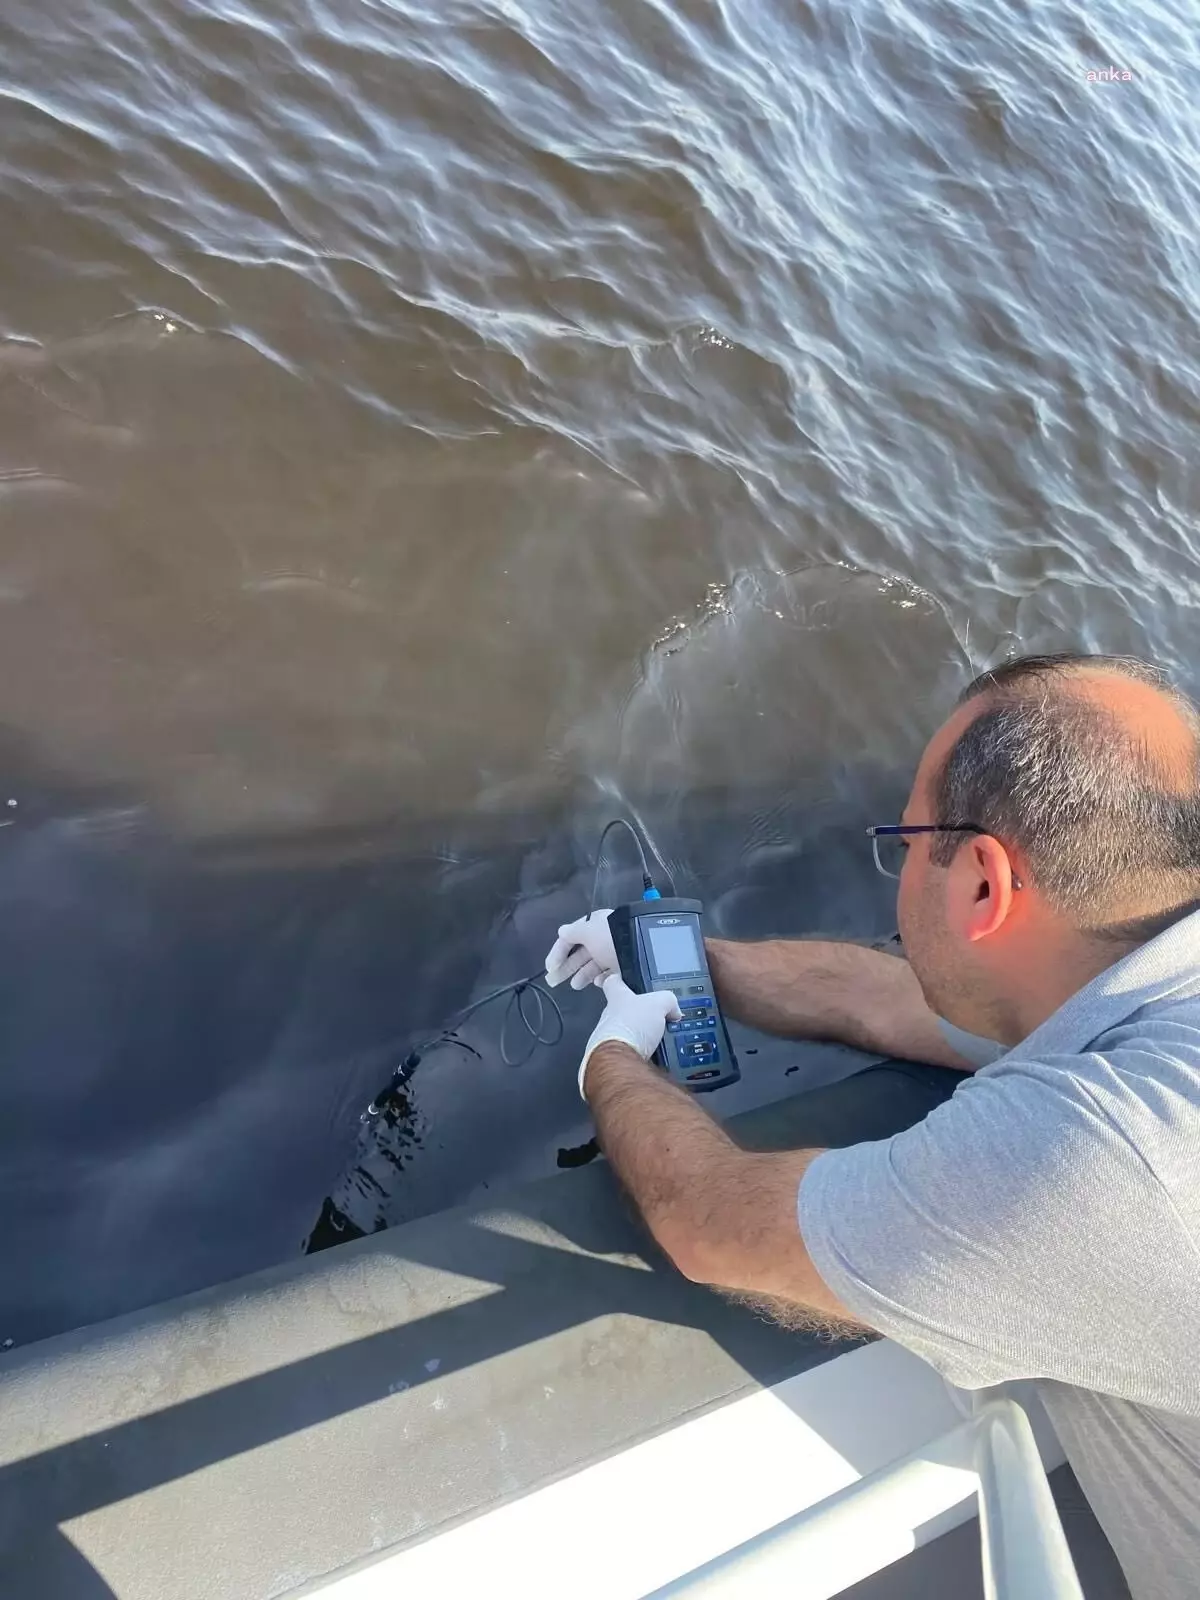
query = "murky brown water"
x=426 y=429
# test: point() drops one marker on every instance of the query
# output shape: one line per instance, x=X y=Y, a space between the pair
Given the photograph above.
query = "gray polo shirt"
x=1045 y=1223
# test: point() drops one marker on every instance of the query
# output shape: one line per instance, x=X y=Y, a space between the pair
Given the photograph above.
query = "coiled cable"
x=533 y=1013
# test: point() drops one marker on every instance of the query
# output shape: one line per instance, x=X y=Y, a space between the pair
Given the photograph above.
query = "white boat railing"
x=818 y=1553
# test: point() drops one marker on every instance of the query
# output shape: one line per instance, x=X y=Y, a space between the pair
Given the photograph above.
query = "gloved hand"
x=591 y=962
x=638 y=1020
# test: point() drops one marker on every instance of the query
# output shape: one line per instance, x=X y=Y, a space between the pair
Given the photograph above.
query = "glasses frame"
x=893 y=830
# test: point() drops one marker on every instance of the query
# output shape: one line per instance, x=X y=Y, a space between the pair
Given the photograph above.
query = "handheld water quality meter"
x=660 y=945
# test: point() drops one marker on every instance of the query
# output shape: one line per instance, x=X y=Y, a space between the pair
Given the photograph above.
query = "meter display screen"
x=675 y=949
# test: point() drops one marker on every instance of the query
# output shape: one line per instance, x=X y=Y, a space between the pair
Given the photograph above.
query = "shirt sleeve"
x=1016 y=1232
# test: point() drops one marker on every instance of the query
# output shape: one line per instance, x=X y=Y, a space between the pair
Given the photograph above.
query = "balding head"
x=1087 y=768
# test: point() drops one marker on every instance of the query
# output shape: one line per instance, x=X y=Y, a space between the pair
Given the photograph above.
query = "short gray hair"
x=1056 y=775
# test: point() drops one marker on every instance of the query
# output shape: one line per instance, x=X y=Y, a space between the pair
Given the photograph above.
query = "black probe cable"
x=547 y=1007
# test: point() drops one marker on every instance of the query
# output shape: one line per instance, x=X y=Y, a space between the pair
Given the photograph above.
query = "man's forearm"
x=724 y=1215
x=666 y=1151
x=825 y=989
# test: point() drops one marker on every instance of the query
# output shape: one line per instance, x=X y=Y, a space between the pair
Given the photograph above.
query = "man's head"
x=1082 y=774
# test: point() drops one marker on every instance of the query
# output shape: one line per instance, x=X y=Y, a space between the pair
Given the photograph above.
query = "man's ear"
x=985 y=885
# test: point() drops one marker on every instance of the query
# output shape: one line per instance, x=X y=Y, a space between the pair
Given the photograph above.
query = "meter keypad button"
x=698 y=1051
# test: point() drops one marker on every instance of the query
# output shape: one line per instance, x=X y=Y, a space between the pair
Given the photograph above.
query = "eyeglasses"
x=887 y=842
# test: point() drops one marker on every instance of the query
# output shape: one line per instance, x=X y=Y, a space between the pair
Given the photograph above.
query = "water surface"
x=428 y=428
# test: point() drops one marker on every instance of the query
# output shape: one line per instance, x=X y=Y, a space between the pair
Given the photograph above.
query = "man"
x=1043 y=1220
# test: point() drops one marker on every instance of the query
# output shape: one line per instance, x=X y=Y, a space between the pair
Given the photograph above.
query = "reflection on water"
x=426 y=430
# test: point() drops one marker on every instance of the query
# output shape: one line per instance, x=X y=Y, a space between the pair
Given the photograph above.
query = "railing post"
x=1022 y=1543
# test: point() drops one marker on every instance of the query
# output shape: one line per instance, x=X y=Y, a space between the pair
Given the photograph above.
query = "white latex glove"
x=582 y=952
x=638 y=1020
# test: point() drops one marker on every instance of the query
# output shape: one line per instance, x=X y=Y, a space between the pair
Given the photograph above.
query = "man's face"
x=922 y=920
x=941 y=961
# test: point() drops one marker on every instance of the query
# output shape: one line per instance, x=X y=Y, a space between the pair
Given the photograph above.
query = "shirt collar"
x=1155 y=970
